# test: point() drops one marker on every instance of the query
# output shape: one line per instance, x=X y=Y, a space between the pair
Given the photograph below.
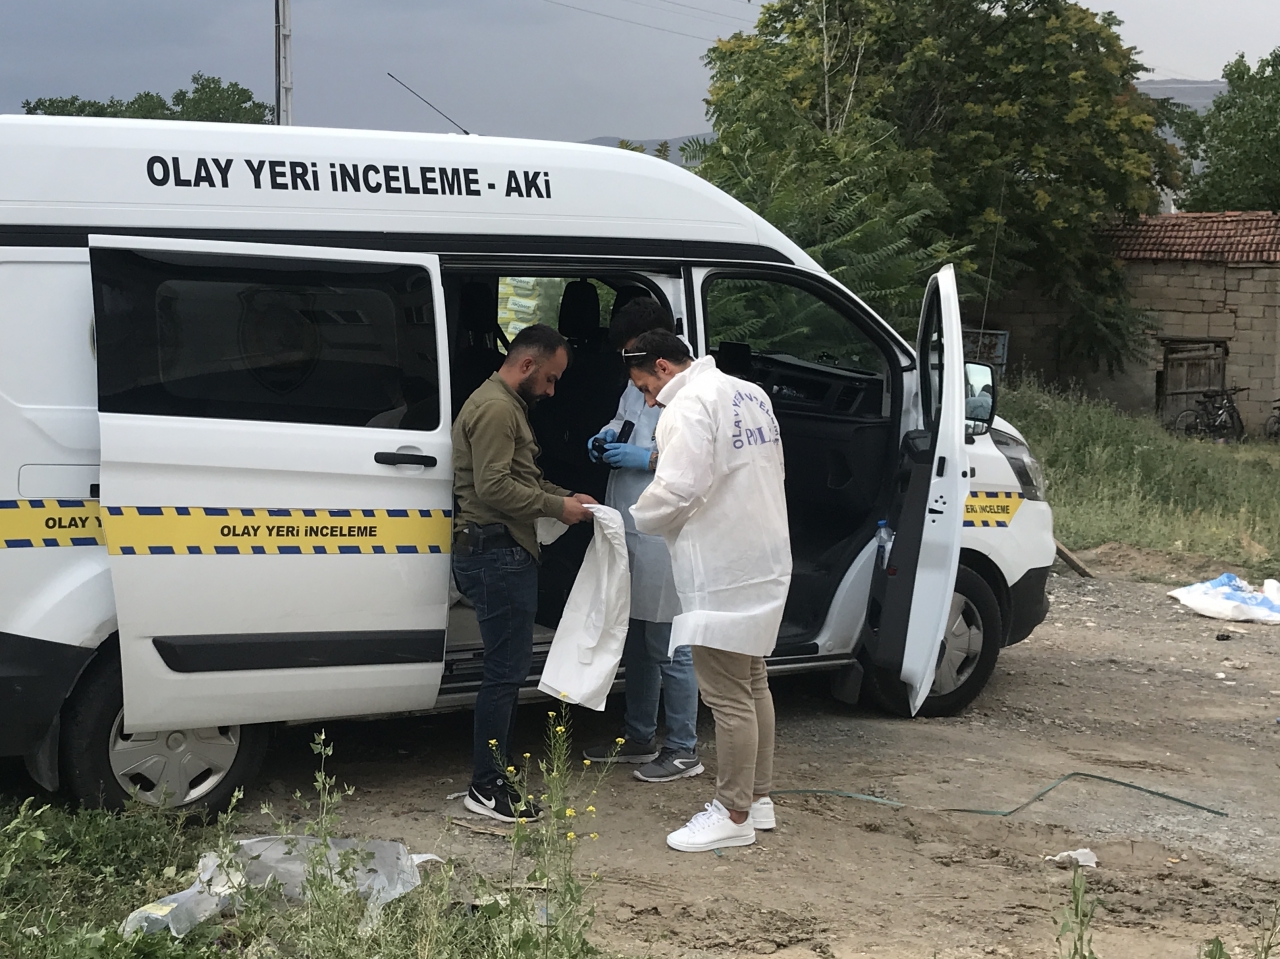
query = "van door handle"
x=404 y=459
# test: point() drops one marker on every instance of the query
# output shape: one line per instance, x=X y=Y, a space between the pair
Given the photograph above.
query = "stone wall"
x=1185 y=299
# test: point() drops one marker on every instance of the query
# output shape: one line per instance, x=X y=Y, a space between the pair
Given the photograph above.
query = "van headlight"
x=1025 y=467
x=1036 y=473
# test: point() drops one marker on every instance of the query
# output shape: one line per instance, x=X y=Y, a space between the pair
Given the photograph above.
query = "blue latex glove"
x=627 y=456
x=607 y=435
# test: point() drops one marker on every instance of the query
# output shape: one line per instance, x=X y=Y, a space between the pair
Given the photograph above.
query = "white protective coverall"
x=653 y=590
x=587 y=648
x=718 y=500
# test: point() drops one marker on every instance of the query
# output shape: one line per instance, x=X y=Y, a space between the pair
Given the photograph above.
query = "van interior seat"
x=579 y=319
x=585 y=399
x=477 y=356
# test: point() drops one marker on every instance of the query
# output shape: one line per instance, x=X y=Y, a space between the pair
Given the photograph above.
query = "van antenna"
x=995 y=240
x=427 y=102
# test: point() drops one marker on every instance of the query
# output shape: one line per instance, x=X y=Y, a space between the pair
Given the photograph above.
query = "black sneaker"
x=671 y=764
x=501 y=802
x=626 y=752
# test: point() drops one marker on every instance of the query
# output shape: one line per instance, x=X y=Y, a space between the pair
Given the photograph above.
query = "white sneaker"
x=762 y=814
x=711 y=829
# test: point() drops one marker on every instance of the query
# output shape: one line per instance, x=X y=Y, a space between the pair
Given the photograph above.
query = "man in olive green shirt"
x=501 y=494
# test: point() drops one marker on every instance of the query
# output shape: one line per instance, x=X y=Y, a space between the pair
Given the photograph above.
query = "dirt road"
x=1120 y=682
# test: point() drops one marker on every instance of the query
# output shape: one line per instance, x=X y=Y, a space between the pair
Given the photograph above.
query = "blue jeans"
x=502 y=585
x=650 y=672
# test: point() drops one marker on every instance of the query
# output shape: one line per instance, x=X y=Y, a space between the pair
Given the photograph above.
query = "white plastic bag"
x=588 y=644
x=1230 y=597
x=389 y=873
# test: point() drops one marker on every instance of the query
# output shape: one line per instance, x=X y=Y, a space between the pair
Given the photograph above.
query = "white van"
x=229 y=357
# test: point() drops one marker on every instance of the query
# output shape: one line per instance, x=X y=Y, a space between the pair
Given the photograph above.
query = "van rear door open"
x=276 y=485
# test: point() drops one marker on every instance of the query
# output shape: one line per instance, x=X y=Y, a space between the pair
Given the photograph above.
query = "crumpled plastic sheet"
x=388 y=875
x=1081 y=857
x=1230 y=597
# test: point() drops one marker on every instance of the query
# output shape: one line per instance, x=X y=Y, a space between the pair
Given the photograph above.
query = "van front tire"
x=974 y=634
x=104 y=767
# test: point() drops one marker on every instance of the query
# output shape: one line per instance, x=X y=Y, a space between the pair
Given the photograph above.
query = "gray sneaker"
x=671 y=764
x=628 y=752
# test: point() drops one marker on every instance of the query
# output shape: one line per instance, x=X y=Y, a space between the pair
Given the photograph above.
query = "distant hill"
x=649 y=145
x=1197 y=94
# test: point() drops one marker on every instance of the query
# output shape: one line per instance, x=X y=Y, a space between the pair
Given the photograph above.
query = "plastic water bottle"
x=884 y=542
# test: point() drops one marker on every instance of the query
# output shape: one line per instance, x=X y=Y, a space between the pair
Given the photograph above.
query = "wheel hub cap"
x=175 y=767
x=961 y=647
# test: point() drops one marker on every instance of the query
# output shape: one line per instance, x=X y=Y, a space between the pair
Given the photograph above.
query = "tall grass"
x=1113 y=477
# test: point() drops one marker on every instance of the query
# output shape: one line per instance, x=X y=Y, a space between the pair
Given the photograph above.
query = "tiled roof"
x=1208 y=237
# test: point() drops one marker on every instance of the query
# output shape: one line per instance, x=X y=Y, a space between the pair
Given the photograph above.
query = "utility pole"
x=284 y=64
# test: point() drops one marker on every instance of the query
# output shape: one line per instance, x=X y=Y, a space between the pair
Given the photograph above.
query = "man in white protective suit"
x=653 y=668
x=717 y=498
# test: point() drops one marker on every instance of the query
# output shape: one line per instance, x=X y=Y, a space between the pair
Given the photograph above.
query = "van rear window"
x=259 y=338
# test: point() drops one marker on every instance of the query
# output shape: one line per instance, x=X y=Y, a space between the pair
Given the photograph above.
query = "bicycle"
x=1216 y=415
x=1271 y=428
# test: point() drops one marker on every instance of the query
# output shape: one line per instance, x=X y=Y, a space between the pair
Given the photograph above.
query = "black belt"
x=473 y=539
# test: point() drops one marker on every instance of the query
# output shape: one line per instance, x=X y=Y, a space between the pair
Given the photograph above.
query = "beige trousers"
x=736 y=689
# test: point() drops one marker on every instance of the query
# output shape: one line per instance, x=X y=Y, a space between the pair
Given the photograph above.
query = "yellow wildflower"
x=511 y=770
x=595 y=835
x=570 y=836
x=570 y=812
x=559 y=729
x=493 y=742
x=619 y=740
x=591 y=809
x=586 y=762
x=551 y=713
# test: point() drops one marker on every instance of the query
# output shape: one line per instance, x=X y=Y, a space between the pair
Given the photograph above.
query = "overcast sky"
x=511 y=67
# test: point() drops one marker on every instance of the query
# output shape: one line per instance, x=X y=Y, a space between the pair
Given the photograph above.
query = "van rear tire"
x=194 y=769
x=979 y=611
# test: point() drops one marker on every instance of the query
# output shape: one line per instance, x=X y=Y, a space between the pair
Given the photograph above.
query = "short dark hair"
x=653 y=346
x=540 y=340
x=639 y=315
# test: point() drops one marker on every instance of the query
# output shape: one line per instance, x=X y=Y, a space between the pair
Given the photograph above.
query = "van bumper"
x=1028 y=604
x=36 y=677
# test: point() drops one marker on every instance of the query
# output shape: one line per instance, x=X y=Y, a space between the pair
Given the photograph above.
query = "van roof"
x=78 y=174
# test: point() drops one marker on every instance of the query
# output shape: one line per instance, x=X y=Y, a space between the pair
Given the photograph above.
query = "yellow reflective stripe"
x=992 y=508
x=198 y=531
x=30 y=523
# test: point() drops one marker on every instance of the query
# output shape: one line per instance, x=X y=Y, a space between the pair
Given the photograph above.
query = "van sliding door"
x=276 y=478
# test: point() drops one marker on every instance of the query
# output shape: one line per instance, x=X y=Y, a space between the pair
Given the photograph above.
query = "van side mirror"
x=979 y=397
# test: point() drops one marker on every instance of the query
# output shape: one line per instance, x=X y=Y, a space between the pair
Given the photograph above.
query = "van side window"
x=264 y=338
x=526 y=300
x=810 y=356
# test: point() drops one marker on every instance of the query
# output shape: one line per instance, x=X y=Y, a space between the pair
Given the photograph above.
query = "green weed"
x=1113 y=477
x=1265 y=945
x=67 y=879
x=1075 y=940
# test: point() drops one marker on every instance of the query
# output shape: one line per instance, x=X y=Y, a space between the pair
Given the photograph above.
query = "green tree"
x=1235 y=145
x=663 y=150
x=631 y=145
x=208 y=99
x=1021 y=113
x=854 y=203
